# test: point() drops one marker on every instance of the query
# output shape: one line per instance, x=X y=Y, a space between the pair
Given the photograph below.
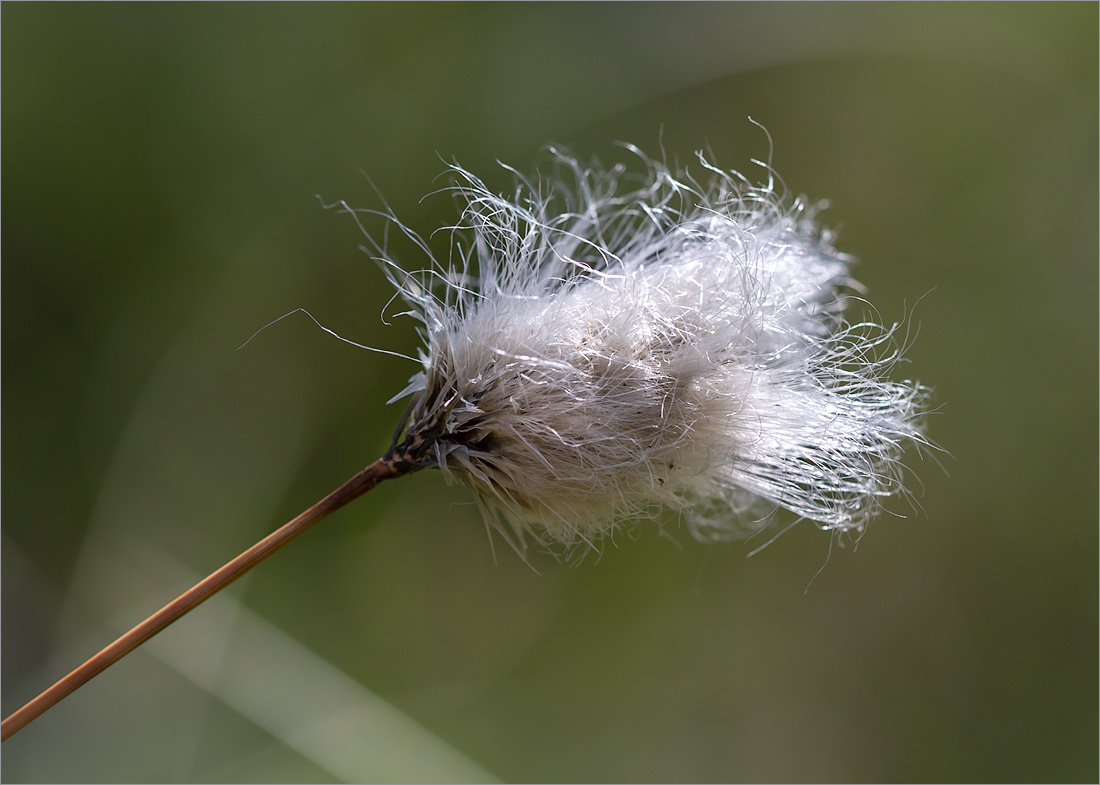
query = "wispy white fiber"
x=602 y=345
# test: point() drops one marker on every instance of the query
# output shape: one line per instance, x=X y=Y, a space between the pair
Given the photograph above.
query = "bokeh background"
x=160 y=172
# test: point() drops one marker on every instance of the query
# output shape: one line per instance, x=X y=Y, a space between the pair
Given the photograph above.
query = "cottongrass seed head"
x=599 y=346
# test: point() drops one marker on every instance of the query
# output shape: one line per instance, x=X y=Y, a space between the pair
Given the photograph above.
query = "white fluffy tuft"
x=596 y=351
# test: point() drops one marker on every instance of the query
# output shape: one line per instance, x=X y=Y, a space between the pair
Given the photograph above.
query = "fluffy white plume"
x=600 y=346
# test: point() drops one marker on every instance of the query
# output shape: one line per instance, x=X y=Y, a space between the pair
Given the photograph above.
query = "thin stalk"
x=355 y=487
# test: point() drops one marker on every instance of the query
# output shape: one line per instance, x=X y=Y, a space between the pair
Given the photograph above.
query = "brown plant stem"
x=362 y=482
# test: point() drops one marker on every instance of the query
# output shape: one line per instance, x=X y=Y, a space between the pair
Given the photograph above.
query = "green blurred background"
x=159 y=180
